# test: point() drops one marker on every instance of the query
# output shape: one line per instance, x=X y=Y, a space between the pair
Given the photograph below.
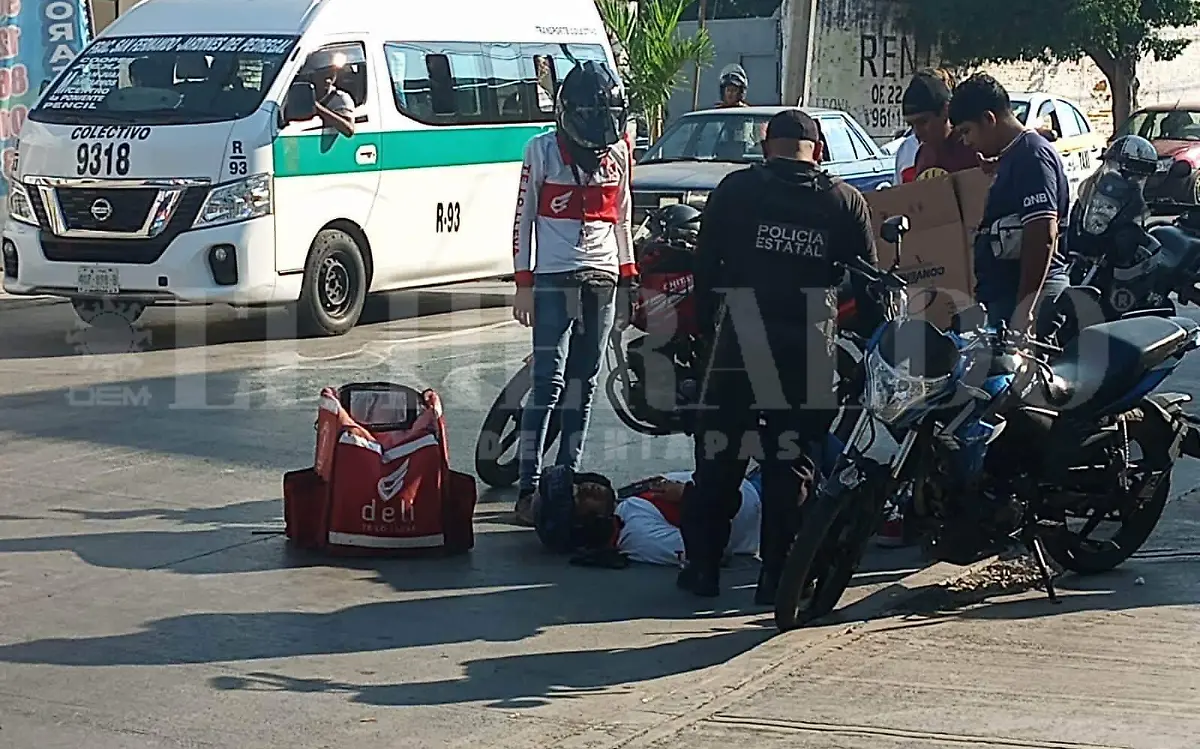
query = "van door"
x=322 y=175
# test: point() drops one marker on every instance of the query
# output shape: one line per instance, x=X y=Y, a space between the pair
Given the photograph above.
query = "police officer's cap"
x=792 y=124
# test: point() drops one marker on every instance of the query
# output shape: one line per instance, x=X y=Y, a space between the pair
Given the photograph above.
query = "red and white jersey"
x=648 y=529
x=567 y=220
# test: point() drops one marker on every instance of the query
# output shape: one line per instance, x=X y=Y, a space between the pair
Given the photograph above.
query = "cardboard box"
x=971 y=187
x=935 y=255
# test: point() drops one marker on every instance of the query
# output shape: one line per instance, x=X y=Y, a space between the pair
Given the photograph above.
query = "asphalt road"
x=147 y=600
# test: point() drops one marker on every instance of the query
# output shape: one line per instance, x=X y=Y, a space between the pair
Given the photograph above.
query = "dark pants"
x=1044 y=315
x=728 y=436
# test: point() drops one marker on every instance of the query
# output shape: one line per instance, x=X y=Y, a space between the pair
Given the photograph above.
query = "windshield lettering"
x=110 y=132
x=165 y=80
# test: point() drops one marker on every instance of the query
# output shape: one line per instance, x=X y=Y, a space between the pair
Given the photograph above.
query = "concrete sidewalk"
x=1114 y=666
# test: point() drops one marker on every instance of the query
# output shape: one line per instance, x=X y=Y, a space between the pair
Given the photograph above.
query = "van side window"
x=460 y=83
x=442 y=84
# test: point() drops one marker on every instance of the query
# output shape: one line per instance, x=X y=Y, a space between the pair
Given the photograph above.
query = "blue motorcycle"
x=1002 y=440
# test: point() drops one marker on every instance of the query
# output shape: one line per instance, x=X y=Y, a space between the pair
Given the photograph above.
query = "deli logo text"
x=110 y=132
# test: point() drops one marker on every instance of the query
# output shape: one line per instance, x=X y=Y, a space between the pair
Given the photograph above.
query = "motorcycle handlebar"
x=860 y=267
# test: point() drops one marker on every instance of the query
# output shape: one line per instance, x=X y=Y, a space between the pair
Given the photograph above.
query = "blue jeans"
x=572 y=318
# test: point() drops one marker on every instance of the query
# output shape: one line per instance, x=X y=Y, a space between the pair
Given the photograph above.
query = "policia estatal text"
x=766 y=290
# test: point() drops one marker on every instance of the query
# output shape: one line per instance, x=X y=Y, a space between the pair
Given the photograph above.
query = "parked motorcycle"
x=1134 y=267
x=664 y=329
x=1087 y=440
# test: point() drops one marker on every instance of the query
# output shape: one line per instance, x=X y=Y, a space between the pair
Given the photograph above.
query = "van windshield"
x=165 y=80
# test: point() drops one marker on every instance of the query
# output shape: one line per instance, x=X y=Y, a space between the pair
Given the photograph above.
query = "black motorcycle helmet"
x=1133 y=156
x=676 y=225
x=591 y=110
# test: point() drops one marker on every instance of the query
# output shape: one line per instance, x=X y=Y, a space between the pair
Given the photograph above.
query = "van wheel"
x=99 y=311
x=335 y=285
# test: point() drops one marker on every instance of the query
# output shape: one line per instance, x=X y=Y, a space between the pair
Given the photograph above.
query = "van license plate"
x=94 y=280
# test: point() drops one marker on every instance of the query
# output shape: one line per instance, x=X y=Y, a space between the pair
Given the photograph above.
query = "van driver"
x=335 y=107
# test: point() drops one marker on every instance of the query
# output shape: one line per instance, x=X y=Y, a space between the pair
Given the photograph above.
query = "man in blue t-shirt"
x=1020 y=250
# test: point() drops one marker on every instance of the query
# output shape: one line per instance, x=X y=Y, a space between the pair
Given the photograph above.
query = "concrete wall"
x=753 y=43
x=862 y=61
x=1083 y=82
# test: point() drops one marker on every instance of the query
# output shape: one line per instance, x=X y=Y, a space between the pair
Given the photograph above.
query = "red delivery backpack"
x=381 y=483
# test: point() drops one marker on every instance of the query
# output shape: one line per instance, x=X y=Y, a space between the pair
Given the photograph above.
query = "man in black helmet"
x=572 y=260
x=766 y=295
x=733 y=87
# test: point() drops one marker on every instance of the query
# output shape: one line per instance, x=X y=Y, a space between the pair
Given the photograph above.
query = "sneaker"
x=524 y=509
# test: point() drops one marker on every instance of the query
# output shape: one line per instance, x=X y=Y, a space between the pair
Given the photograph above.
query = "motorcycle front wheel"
x=832 y=540
x=496 y=450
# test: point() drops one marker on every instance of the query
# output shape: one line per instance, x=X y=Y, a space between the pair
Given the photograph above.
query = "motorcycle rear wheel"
x=501 y=431
x=1085 y=556
x=832 y=540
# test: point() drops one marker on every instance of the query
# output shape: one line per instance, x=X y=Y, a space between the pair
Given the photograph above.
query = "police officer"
x=766 y=295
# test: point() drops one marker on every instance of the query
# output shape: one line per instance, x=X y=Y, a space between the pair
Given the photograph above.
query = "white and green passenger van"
x=181 y=158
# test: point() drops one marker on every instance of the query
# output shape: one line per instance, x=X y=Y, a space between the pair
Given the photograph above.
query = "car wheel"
x=335 y=285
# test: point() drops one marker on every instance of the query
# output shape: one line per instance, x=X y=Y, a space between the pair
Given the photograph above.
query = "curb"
x=14 y=301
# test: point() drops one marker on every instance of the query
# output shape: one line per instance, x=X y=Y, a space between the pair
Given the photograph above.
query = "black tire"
x=95 y=311
x=496 y=439
x=335 y=285
x=1088 y=557
x=832 y=539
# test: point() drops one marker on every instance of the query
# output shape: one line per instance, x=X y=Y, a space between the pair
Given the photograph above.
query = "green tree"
x=657 y=54
x=1116 y=34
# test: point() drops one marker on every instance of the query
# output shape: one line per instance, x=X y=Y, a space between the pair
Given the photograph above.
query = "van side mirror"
x=301 y=102
x=638 y=153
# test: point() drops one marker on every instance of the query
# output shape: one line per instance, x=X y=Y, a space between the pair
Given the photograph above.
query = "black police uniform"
x=766 y=290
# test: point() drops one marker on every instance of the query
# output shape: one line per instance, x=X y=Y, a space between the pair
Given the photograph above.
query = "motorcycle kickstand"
x=1039 y=555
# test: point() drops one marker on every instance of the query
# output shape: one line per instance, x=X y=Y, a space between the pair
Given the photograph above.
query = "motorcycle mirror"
x=892 y=232
x=1180 y=170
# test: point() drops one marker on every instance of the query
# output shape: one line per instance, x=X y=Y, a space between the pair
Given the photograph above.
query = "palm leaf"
x=658 y=54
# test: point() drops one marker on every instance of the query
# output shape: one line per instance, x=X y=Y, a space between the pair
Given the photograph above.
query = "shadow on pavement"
x=527 y=681
x=56 y=332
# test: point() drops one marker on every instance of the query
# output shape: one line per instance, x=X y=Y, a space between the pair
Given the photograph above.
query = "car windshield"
x=1175 y=124
x=729 y=137
x=165 y=80
x=1020 y=109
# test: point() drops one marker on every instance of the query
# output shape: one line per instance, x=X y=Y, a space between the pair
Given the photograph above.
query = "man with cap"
x=766 y=281
x=926 y=108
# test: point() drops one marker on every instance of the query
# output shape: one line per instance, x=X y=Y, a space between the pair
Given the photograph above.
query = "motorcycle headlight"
x=237 y=201
x=1099 y=213
x=19 y=206
x=892 y=392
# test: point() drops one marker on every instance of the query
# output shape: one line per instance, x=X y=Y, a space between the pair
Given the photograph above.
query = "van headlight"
x=892 y=392
x=237 y=201
x=20 y=208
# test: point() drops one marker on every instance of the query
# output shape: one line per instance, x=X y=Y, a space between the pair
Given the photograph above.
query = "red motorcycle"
x=665 y=330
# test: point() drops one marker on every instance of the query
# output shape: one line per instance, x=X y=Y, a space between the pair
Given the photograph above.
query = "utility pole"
x=696 y=75
x=799 y=21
